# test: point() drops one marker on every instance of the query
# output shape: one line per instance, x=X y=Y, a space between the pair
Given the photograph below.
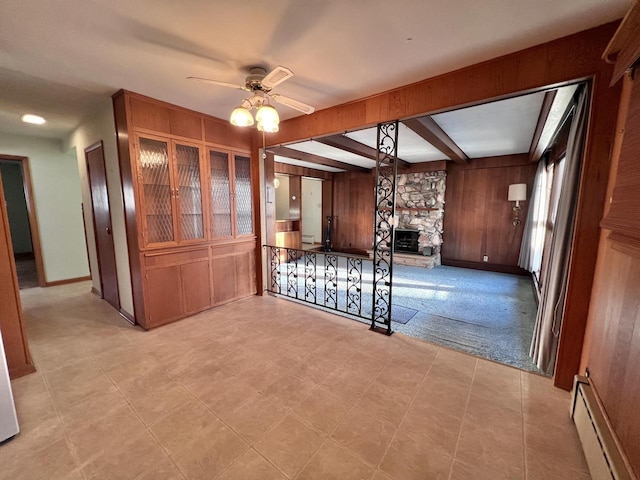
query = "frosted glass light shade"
x=518 y=192
x=268 y=127
x=267 y=115
x=241 y=117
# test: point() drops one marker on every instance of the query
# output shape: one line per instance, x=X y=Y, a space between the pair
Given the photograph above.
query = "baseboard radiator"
x=604 y=457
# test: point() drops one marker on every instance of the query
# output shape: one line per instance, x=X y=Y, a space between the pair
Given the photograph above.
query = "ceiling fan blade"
x=216 y=82
x=295 y=104
x=276 y=76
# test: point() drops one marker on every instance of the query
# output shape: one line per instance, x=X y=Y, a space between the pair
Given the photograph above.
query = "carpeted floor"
x=487 y=314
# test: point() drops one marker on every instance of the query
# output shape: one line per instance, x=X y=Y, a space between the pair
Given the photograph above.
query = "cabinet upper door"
x=221 y=224
x=189 y=192
x=156 y=191
x=243 y=197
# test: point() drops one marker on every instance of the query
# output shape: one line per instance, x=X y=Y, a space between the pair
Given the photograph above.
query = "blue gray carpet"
x=487 y=314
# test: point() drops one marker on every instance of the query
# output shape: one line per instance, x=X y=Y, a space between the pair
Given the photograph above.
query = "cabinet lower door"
x=224 y=278
x=196 y=286
x=164 y=295
x=246 y=274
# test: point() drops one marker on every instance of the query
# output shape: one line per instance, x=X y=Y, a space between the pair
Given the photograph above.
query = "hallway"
x=266 y=388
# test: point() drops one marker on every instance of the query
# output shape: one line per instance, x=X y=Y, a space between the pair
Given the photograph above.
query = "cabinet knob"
x=108 y=230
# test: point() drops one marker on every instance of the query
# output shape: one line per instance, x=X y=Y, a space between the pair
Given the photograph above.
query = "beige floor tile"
x=322 y=409
x=254 y=418
x=288 y=390
x=365 y=435
x=379 y=475
x=463 y=471
x=389 y=405
x=210 y=453
x=432 y=429
x=332 y=462
x=139 y=457
x=33 y=436
x=82 y=413
x=183 y=427
x=290 y=445
x=70 y=392
x=157 y=401
x=251 y=465
x=448 y=395
x=401 y=378
x=554 y=445
x=106 y=433
x=405 y=460
x=55 y=461
x=542 y=467
x=350 y=382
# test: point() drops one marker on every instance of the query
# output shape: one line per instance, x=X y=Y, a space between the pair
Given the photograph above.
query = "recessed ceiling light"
x=35 y=119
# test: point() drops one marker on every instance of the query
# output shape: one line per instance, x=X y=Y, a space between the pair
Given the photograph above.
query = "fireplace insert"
x=406 y=240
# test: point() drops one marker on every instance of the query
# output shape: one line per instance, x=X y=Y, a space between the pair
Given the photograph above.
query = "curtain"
x=534 y=228
x=549 y=318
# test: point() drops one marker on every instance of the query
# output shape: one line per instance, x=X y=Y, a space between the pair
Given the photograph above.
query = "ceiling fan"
x=260 y=84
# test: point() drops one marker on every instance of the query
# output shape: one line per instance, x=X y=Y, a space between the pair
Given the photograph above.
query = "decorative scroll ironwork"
x=385 y=210
x=331 y=281
x=354 y=285
x=292 y=273
x=310 y=277
x=276 y=286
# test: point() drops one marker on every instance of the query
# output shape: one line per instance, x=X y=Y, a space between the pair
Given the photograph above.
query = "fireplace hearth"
x=407 y=241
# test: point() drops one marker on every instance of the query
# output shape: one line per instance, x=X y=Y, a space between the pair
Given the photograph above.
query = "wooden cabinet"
x=170 y=186
x=188 y=208
x=231 y=194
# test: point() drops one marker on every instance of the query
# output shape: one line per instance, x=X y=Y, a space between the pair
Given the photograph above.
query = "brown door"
x=102 y=224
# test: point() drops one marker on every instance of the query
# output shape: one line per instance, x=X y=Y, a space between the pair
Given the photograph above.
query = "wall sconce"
x=517 y=193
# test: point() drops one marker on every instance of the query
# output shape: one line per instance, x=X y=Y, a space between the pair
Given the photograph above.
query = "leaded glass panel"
x=220 y=194
x=189 y=192
x=244 y=210
x=154 y=164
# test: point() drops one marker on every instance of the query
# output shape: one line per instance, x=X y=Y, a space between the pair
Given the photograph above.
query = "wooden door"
x=102 y=224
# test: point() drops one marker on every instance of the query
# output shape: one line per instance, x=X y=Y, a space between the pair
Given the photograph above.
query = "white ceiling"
x=301 y=163
x=333 y=153
x=79 y=51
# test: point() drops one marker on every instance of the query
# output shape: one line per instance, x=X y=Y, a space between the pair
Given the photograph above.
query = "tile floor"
x=268 y=389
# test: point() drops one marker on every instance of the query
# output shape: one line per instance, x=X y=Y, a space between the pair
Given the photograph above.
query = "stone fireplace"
x=420 y=209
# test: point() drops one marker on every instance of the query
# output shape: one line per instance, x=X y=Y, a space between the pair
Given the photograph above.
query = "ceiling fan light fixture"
x=241 y=117
x=268 y=127
x=267 y=114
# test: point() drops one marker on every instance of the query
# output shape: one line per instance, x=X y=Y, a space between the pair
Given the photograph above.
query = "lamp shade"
x=241 y=117
x=268 y=127
x=517 y=192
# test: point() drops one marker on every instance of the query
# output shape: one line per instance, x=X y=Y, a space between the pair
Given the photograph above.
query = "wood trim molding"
x=534 y=152
x=96 y=292
x=430 y=131
x=353 y=146
x=67 y=281
x=311 y=158
x=21 y=371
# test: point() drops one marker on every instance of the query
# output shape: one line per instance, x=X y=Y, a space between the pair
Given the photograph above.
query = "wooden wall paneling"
x=126 y=156
x=327 y=205
x=14 y=336
x=223 y=271
x=221 y=132
x=185 y=124
x=302 y=171
x=246 y=267
x=295 y=193
x=149 y=115
x=353 y=205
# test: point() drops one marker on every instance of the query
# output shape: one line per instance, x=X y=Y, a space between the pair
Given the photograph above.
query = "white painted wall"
x=11 y=172
x=312 y=208
x=282 y=198
x=58 y=203
x=101 y=126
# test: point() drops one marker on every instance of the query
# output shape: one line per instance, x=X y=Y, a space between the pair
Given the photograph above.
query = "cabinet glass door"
x=156 y=190
x=244 y=208
x=220 y=194
x=189 y=192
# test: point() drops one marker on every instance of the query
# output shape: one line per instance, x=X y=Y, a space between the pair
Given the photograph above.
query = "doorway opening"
x=23 y=224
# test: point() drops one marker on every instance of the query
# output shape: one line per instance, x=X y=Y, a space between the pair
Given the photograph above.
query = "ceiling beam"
x=352 y=146
x=429 y=130
x=535 y=150
x=311 y=158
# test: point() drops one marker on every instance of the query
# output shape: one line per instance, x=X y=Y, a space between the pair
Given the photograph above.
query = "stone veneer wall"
x=420 y=206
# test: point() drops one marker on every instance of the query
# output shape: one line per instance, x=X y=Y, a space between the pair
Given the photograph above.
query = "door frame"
x=31 y=214
x=87 y=150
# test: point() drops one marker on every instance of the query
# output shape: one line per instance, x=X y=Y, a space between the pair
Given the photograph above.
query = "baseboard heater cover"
x=308 y=239
x=602 y=452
